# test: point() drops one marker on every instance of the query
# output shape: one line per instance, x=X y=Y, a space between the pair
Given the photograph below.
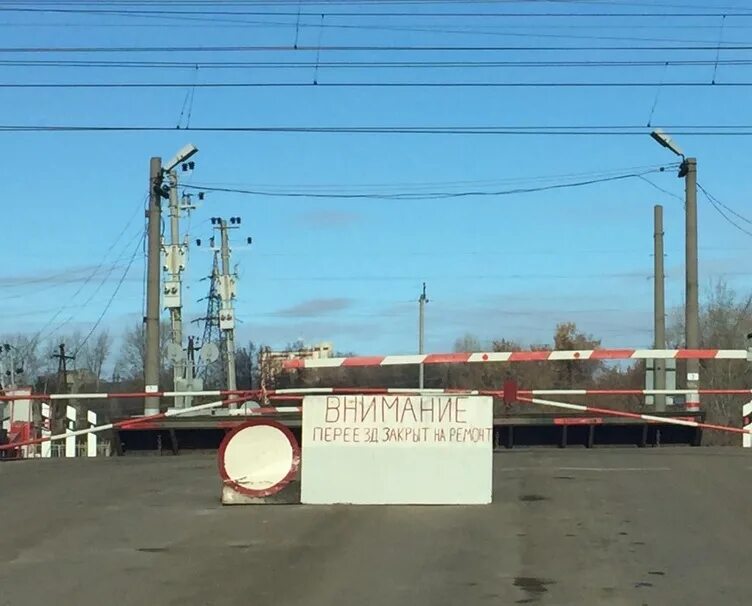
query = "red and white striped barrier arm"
x=747 y=424
x=225 y=393
x=634 y=392
x=634 y=415
x=499 y=393
x=519 y=356
x=299 y=394
x=248 y=411
x=294 y=393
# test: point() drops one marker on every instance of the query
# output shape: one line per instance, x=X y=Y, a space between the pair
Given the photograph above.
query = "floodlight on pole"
x=182 y=156
x=666 y=141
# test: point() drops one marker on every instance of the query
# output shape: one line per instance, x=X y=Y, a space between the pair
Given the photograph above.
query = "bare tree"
x=467 y=343
x=132 y=355
x=725 y=320
x=246 y=368
x=27 y=357
x=93 y=354
x=576 y=373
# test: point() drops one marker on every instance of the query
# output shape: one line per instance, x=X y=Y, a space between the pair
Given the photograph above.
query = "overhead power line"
x=569 y=131
x=352 y=3
x=113 y=295
x=366 y=48
x=454 y=277
x=411 y=84
x=238 y=17
x=728 y=208
x=424 y=195
x=533 y=30
x=71 y=300
x=371 y=14
x=454 y=184
x=725 y=211
x=209 y=65
x=106 y=278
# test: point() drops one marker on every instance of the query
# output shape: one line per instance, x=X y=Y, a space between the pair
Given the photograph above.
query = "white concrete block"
x=389 y=449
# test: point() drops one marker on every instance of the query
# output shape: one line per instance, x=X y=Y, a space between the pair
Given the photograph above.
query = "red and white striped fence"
x=299 y=392
x=173 y=412
x=518 y=356
x=119 y=424
x=509 y=394
x=214 y=393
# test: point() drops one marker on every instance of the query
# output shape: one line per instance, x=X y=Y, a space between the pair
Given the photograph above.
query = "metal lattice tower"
x=214 y=372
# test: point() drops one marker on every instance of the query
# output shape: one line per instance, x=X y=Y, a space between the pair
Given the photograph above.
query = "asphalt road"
x=599 y=527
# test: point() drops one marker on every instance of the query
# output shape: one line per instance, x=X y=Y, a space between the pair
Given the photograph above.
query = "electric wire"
x=364 y=84
x=719 y=207
x=36 y=338
x=112 y=297
x=367 y=48
x=636 y=130
x=728 y=208
x=360 y=65
x=426 y=195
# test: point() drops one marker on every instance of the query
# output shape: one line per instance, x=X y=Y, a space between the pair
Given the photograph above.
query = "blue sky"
x=350 y=271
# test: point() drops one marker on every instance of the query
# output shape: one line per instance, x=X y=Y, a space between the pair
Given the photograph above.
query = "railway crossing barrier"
x=342 y=443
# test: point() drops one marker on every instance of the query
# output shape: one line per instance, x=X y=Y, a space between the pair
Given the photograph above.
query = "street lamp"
x=157 y=190
x=666 y=141
x=688 y=170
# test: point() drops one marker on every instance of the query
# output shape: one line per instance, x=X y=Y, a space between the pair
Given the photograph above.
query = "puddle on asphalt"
x=152 y=549
x=529 y=498
x=533 y=587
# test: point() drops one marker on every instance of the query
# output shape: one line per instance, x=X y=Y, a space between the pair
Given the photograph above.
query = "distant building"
x=270 y=361
x=320 y=350
x=80 y=376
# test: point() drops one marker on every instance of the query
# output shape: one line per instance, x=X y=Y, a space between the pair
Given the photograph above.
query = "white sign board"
x=389 y=449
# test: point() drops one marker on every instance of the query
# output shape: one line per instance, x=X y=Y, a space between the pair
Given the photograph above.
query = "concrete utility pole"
x=58 y=421
x=421 y=332
x=175 y=254
x=226 y=295
x=659 y=308
x=692 y=304
x=152 y=356
x=688 y=170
